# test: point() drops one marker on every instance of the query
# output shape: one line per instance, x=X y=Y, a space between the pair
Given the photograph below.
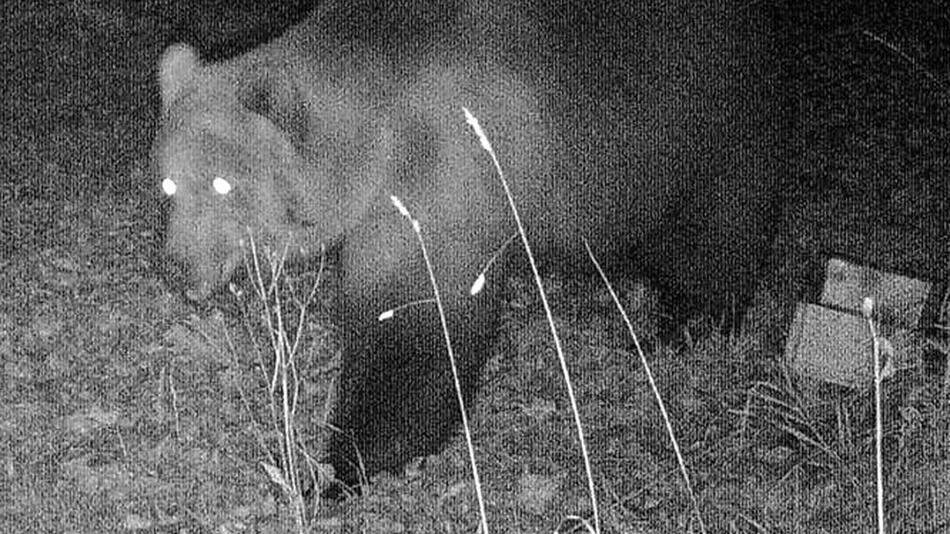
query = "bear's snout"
x=176 y=274
x=197 y=279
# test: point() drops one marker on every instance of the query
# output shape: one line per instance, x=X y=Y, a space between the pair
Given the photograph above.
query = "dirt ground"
x=129 y=411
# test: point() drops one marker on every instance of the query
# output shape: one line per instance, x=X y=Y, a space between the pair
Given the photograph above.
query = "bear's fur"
x=645 y=128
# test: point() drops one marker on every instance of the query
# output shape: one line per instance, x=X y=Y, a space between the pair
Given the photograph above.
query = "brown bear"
x=644 y=127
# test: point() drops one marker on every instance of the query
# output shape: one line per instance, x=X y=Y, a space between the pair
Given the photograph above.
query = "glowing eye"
x=222 y=186
x=169 y=187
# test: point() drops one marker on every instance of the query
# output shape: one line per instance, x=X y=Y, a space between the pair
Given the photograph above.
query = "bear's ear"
x=178 y=67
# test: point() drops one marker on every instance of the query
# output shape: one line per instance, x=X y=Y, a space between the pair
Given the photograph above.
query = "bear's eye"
x=169 y=187
x=221 y=186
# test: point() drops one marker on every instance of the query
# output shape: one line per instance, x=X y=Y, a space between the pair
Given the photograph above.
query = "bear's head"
x=227 y=157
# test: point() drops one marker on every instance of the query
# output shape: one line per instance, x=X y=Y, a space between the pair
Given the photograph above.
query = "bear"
x=645 y=128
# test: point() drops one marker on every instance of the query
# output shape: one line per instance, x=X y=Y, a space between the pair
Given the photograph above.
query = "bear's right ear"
x=178 y=67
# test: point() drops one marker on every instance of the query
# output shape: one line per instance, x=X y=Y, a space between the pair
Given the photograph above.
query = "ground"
x=129 y=410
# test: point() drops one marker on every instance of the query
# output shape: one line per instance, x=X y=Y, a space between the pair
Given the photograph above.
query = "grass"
x=126 y=410
x=158 y=415
x=277 y=300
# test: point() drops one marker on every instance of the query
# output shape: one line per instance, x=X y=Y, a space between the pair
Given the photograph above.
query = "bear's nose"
x=199 y=292
x=179 y=277
x=175 y=273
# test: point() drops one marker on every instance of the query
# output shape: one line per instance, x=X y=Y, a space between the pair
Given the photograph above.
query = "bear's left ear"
x=176 y=70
